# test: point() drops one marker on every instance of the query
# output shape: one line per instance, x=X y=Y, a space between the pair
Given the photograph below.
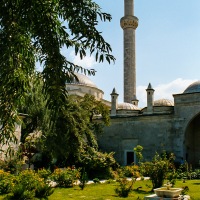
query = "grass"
x=100 y=192
x=194 y=188
x=106 y=191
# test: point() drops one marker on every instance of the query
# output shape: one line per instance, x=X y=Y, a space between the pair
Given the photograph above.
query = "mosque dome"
x=193 y=88
x=163 y=102
x=127 y=106
x=83 y=80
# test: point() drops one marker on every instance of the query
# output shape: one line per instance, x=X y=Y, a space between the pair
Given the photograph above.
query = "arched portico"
x=192 y=141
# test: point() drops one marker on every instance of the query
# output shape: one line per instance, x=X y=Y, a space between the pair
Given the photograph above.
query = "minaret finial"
x=149 y=87
x=129 y=24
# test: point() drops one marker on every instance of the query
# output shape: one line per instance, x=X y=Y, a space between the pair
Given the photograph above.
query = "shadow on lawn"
x=196 y=183
x=139 y=191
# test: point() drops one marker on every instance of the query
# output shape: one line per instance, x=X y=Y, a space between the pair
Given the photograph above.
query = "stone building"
x=173 y=126
x=161 y=125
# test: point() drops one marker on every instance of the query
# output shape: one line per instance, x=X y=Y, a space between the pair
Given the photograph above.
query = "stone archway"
x=192 y=141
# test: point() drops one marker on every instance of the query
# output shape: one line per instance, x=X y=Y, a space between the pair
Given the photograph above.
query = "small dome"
x=83 y=80
x=193 y=88
x=163 y=102
x=127 y=106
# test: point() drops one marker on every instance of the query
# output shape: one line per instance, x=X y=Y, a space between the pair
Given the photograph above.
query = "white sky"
x=167 y=47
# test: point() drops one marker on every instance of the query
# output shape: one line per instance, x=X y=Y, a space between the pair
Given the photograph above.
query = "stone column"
x=129 y=24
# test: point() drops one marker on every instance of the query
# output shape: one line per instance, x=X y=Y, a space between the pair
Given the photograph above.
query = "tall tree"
x=35 y=106
x=37 y=30
x=73 y=136
x=75 y=130
x=72 y=140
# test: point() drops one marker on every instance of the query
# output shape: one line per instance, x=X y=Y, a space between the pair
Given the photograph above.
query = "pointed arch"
x=192 y=141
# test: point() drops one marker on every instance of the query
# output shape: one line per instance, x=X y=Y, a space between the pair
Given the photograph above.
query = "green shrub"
x=14 y=165
x=185 y=190
x=65 y=177
x=43 y=190
x=131 y=171
x=157 y=169
x=5 y=186
x=124 y=187
x=172 y=176
x=44 y=173
x=138 y=150
x=96 y=180
x=109 y=181
x=185 y=172
x=83 y=179
x=20 y=192
x=197 y=173
x=28 y=185
x=97 y=164
x=5 y=182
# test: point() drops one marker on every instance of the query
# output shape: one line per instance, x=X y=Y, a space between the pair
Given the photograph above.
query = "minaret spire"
x=129 y=24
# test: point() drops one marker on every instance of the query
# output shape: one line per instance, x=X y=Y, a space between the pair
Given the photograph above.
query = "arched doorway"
x=192 y=142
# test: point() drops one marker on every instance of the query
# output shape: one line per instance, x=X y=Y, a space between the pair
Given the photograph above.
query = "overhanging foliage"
x=36 y=30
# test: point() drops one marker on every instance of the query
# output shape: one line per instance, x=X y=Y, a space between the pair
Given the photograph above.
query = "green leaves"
x=75 y=129
x=37 y=30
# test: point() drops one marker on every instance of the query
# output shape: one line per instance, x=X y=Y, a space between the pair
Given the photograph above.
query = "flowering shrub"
x=43 y=190
x=185 y=171
x=44 y=173
x=5 y=182
x=131 y=171
x=29 y=185
x=65 y=177
x=13 y=165
x=20 y=192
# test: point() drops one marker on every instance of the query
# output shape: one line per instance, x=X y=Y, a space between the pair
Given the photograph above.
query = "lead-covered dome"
x=83 y=80
x=82 y=85
x=193 y=88
x=127 y=106
x=163 y=102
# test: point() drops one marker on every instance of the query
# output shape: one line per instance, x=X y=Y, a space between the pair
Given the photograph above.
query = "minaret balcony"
x=129 y=22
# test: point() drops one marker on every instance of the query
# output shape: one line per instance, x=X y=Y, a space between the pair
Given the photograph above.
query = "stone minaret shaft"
x=129 y=24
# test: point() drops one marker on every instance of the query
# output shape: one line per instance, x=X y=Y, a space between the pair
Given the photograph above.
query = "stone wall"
x=153 y=132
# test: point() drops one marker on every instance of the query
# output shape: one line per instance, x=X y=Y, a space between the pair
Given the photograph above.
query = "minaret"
x=150 y=98
x=114 y=102
x=129 y=24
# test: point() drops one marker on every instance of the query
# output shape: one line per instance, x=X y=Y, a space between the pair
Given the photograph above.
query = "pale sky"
x=167 y=47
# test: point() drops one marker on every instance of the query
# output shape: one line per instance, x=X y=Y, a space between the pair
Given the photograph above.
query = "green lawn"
x=106 y=191
x=194 y=188
x=100 y=192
